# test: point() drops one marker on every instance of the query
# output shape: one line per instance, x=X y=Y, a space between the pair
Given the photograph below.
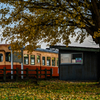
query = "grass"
x=50 y=90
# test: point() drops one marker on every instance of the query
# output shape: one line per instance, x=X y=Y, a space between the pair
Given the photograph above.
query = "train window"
x=38 y=59
x=48 y=61
x=8 y=56
x=57 y=61
x=53 y=61
x=43 y=60
x=1 y=57
x=32 y=59
x=26 y=59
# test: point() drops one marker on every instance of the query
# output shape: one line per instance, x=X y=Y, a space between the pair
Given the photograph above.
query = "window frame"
x=43 y=59
x=57 y=62
x=32 y=58
x=54 y=61
x=2 y=57
x=50 y=61
x=8 y=58
x=28 y=59
x=39 y=59
x=71 y=58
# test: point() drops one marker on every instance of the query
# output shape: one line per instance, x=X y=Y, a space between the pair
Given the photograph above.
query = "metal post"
x=22 y=63
x=40 y=65
x=11 y=64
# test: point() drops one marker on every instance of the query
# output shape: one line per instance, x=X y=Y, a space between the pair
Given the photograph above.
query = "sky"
x=88 y=42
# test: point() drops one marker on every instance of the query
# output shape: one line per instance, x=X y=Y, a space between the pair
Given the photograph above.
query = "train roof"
x=46 y=50
x=4 y=44
x=43 y=50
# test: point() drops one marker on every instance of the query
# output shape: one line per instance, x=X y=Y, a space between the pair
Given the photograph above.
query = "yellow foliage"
x=97 y=34
x=52 y=21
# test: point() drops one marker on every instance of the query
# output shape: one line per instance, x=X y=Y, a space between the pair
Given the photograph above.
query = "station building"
x=78 y=63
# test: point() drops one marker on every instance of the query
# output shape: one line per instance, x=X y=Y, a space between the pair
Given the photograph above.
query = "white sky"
x=88 y=42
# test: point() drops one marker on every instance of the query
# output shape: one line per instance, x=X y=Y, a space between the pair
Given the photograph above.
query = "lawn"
x=49 y=90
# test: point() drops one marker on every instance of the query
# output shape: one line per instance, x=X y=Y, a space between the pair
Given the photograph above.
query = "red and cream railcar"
x=40 y=58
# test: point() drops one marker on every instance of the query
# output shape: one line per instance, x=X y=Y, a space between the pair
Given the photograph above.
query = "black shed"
x=78 y=63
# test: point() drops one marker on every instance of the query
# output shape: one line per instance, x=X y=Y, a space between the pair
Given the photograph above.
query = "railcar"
x=39 y=58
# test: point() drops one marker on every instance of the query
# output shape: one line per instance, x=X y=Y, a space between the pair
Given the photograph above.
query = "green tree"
x=30 y=21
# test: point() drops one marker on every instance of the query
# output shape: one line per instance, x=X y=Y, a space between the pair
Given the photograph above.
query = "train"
x=39 y=58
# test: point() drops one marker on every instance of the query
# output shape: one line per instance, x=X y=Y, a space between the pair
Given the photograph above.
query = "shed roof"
x=74 y=48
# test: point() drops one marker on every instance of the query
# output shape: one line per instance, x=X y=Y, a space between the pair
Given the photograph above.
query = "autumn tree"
x=26 y=22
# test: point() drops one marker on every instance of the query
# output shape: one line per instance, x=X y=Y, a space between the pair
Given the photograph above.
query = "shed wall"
x=85 y=71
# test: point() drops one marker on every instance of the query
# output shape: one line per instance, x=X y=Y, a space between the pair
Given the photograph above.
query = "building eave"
x=88 y=49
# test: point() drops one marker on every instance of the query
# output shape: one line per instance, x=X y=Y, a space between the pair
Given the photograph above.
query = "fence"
x=26 y=75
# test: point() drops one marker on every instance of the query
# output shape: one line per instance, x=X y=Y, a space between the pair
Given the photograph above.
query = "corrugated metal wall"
x=85 y=71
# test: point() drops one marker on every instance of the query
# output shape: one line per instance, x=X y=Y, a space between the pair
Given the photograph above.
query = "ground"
x=49 y=90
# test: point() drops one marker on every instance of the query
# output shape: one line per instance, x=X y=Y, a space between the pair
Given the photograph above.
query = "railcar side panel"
x=37 y=64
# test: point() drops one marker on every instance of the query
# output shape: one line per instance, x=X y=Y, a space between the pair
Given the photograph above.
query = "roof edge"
x=76 y=48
